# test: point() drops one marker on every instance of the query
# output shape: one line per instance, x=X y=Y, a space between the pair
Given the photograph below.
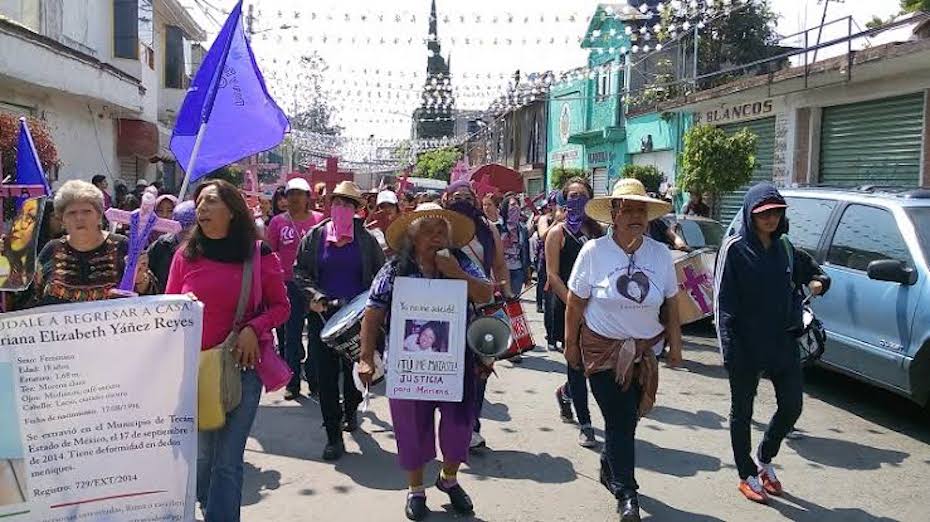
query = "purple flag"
x=228 y=96
x=28 y=167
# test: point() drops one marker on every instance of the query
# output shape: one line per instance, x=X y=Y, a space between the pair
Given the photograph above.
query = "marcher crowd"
x=600 y=268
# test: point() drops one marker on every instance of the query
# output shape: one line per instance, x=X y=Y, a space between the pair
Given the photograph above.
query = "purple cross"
x=693 y=284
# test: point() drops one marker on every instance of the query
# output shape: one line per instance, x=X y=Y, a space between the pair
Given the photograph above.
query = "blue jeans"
x=577 y=387
x=618 y=458
x=482 y=388
x=220 y=455
x=294 y=350
x=517 y=278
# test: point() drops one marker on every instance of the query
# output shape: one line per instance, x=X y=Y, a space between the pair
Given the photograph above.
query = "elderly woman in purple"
x=422 y=240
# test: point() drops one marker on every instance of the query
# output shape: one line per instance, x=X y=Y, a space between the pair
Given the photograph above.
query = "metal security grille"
x=764 y=130
x=875 y=142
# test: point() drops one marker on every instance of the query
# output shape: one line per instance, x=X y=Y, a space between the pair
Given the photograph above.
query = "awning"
x=137 y=138
x=598 y=136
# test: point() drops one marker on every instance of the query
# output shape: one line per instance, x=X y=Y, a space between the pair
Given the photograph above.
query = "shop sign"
x=731 y=113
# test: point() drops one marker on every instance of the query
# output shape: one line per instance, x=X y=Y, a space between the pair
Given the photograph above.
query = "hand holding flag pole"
x=227 y=114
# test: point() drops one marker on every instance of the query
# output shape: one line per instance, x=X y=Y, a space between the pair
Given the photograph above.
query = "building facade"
x=107 y=77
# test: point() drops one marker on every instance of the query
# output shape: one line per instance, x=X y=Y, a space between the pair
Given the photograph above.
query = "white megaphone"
x=489 y=337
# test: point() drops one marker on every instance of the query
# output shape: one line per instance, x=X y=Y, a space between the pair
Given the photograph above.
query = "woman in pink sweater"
x=210 y=266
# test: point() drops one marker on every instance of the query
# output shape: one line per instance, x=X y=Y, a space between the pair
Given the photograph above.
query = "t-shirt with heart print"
x=624 y=292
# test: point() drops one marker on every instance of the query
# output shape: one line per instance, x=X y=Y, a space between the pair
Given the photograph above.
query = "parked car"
x=700 y=232
x=875 y=245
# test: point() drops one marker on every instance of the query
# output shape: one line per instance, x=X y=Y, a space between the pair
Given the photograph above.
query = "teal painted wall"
x=566 y=117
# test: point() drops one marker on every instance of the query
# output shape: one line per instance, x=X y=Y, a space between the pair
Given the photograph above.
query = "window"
x=175 y=77
x=126 y=28
x=920 y=217
x=604 y=83
x=867 y=234
x=807 y=219
x=133 y=25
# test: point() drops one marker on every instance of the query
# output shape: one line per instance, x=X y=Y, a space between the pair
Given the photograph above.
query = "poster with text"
x=426 y=348
x=97 y=402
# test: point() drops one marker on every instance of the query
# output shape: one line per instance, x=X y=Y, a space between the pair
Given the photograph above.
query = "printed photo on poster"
x=18 y=245
x=426 y=336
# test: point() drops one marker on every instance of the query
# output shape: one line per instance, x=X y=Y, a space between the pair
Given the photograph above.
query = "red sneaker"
x=770 y=480
x=752 y=489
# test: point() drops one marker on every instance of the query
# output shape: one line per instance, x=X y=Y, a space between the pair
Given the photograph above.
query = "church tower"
x=434 y=117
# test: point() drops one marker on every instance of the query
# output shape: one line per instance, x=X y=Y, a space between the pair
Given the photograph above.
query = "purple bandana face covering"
x=574 y=217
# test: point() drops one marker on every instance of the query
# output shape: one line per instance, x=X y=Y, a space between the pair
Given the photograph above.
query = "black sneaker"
x=334 y=450
x=416 y=507
x=291 y=395
x=565 y=406
x=628 y=507
x=350 y=423
x=586 y=437
x=460 y=500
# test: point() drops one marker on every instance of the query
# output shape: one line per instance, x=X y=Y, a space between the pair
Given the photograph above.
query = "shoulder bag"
x=219 y=379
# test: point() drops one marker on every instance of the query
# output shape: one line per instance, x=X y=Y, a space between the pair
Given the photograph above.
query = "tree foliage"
x=713 y=161
x=312 y=110
x=231 y=173
x=649 y=175
x=437 y=163
x=562 y=174
x=41 y=137
x=912 y=6
x=746 y=35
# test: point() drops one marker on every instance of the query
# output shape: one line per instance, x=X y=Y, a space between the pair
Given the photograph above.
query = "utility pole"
x=250 y=21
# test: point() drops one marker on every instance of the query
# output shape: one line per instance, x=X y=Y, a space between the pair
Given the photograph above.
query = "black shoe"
x=416 y=507
x=334 y=450
x=629 y=509
x=350 y=424
x=460 y=500
x=565 y=406
x=291 y=395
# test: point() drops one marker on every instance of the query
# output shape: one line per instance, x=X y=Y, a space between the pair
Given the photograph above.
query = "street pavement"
x=862 y=454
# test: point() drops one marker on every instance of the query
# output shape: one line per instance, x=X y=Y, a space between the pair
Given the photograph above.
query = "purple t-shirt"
x=341 y=270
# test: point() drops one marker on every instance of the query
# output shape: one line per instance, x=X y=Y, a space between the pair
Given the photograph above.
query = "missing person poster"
x=426 y=348
x=97 y=402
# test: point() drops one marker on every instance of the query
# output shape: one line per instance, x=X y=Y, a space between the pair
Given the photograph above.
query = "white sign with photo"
x=97 y=402
x=426 y=347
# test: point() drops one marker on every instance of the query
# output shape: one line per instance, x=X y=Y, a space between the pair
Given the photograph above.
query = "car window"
x=700 y=234
x=807 y=219
x=920 y=217
x=867 y=234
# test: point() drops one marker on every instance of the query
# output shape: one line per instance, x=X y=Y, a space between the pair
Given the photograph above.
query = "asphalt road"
x=863 y=455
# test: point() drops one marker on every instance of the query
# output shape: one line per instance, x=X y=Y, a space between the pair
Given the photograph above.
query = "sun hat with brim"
x=349 y=190
x=462 y=228
x=630 y=189
x=769 y=205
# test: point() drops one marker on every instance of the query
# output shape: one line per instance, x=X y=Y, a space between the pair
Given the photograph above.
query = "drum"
x=343 y=331
x=695 y=284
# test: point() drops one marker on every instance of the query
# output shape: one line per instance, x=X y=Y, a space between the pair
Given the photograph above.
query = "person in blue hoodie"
x=758 y=309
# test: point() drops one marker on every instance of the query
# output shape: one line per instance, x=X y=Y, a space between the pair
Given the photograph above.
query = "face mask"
x=343 y=223
x=465 y=208
x=574 y=217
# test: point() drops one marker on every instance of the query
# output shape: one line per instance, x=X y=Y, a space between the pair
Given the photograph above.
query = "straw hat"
x=631 y=189
x=347 y=189
x=462 y=228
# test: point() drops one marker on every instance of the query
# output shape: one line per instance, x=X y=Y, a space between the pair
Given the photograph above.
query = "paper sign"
x=426 y=347
x=98 y=406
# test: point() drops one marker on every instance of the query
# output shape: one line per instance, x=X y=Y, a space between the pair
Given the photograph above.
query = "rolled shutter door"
x=764 y=129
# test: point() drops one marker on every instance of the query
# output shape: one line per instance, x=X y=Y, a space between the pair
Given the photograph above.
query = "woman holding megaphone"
x=422 y=240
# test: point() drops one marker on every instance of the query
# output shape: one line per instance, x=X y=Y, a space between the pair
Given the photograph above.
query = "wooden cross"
x=252 y=192
x=141 y=223
x=331 y=176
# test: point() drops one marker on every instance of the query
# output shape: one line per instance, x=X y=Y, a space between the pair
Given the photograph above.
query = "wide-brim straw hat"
x=348 y=189
x=599 y=208
x=462 y=228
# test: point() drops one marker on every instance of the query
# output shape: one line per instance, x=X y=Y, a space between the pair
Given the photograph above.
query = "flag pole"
x=193 y=161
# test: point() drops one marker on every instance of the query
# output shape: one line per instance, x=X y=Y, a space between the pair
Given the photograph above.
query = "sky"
x=369 y=69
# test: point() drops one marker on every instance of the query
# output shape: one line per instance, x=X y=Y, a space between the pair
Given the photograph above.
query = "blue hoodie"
x=756 y=311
